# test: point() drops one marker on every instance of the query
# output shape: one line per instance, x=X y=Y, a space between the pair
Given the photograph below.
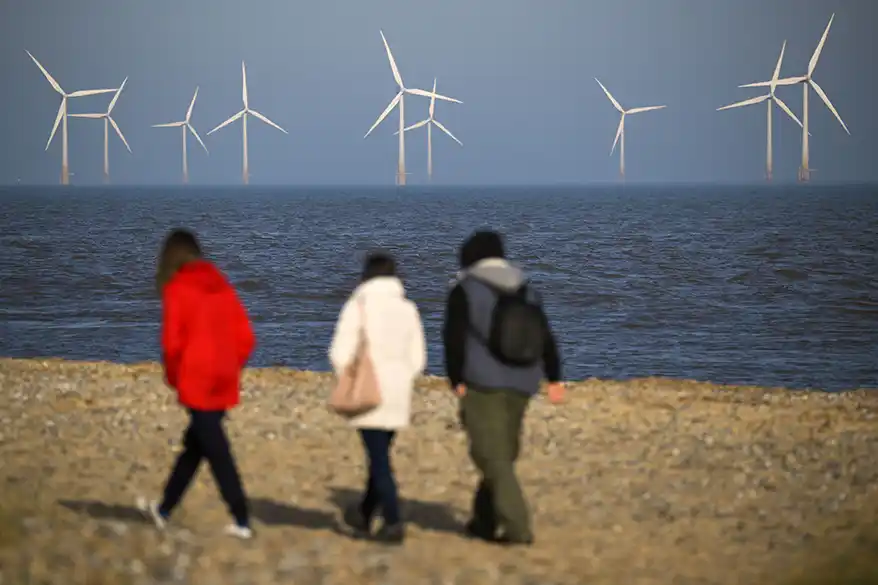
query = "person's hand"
x=556 y=391
x=460 y=390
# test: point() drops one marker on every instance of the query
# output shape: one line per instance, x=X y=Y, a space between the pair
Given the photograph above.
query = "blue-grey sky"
x=524 y=69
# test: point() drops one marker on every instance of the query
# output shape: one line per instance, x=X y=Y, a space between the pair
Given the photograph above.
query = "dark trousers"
x=381 y=486
x=493 y=422
x=206 y=439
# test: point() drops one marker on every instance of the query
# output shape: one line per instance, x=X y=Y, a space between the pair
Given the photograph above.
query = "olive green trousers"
x=493 y=422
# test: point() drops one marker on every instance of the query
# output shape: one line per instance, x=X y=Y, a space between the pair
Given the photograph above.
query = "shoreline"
x=641 y=481
x=432 y=380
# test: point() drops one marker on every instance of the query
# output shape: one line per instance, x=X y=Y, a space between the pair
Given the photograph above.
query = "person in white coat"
x=395 y=335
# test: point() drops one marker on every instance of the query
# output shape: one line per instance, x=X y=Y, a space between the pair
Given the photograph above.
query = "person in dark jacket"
x=206 y=341
x=493 y=395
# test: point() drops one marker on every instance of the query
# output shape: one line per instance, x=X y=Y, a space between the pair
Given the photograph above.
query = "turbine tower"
x=772 y=99
x=399 y=100
x=620 y=133
x=186 y=124
x=62 y=115
x=430 y=122
x=243 y=114
x=806 y=81
x=108 y=119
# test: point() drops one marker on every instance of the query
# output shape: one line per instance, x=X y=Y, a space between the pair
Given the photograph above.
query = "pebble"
x=740 y=481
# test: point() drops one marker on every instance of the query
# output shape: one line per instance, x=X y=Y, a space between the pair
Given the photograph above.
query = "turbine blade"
x=386 y=111
x=119 y=132
x=86 y=115
x=87 y=92
x=784 y=107
x=812 y=64
x=433 y=99
x=646 y=109
x=267 y=121
x=227 y=122
x=792 y=80
x=413 y=126
x=618 y=133
x=396 y=75
x=829 y=105
x=609 y=95
x=198 y=138
x=169 y=125
x=244 y=86
x=776 y=74
x=749 y=102
x=61 y=110
x=116 y=97
x=46 y=73
x=191 y=105
x=444 y=129
x=431 y=95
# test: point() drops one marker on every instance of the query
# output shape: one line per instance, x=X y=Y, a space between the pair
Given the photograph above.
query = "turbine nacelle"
x=620 y=130
x=187 y=124
x=246 y=111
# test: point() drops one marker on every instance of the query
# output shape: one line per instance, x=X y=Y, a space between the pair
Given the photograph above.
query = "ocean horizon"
x=770 y=285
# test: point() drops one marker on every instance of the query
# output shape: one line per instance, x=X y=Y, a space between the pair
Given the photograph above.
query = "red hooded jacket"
x=206 y=337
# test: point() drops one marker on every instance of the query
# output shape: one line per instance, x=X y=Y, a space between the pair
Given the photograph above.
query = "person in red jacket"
x=206 y=341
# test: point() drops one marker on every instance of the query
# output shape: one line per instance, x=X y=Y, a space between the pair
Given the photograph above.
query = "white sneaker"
x=150 y=509
x=242 y=532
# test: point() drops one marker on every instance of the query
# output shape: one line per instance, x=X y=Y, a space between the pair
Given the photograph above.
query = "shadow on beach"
x=273 y=513
x=855 y=563
x=101 y=511
x=431 y=516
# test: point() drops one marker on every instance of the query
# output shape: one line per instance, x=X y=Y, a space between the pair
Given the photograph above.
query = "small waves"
x=754 y=286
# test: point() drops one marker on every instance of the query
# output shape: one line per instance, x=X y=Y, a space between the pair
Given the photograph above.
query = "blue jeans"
x=381 y=486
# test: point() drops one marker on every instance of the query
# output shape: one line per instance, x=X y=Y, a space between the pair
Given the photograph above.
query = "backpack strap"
x=498 y=291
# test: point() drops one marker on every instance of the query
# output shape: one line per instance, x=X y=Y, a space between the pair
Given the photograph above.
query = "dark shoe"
x=355 y=520
x=507 y=541
x=390 y=534
x=478 y=532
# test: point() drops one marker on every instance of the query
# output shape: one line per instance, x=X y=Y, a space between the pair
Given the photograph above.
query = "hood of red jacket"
x=201 y=275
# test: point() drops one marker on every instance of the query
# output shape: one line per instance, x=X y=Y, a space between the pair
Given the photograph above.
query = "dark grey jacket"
x=470 y=306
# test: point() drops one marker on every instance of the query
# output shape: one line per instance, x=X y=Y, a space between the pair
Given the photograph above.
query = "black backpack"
x=517 y=328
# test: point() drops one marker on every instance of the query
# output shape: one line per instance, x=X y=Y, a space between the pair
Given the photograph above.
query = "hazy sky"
x=525 y=71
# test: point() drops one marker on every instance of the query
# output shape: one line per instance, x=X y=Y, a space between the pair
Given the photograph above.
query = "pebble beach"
x=647 y=481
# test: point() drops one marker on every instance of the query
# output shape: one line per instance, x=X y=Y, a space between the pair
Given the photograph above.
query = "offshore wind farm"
x=712 y=296
x=399 y=102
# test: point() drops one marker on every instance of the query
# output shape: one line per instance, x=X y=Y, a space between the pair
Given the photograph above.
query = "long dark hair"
x=180 y=246
x=378 y=264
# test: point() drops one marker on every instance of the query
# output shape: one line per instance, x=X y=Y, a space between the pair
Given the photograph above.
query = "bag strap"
x=361 y=304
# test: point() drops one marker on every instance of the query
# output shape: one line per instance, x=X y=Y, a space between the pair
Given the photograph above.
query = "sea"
x=763 y=285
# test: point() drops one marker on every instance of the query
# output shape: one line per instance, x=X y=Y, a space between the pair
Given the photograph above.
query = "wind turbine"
x=399 y=100
x=430 y=121
x=806 y=80
x=772 y=99
x=243 y=114
x=62 y=115
x=186 y=124
x=108 y=119
x=620 y=133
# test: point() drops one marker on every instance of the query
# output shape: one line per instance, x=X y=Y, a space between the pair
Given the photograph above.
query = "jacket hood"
x=495 y=271
x=380 y=286
x=202 y=275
